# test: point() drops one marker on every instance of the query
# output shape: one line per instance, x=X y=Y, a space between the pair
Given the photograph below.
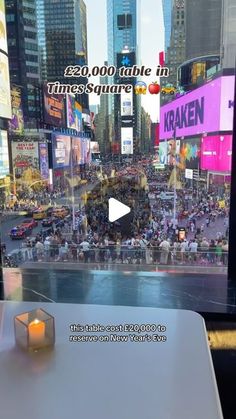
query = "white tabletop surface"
x=109 y=380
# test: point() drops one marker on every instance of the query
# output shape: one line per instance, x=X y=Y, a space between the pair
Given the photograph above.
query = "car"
x=168 y=89
x=48 y=222
x=29 y=224
x=39 y=214
x=19 y=232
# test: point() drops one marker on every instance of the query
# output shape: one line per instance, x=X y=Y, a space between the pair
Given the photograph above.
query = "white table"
x=146 y=380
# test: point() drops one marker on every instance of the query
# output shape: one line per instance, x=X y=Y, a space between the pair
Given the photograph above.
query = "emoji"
x=154 y=88
x=140 y=88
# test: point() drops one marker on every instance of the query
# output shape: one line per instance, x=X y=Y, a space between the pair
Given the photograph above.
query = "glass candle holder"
x=34 y=330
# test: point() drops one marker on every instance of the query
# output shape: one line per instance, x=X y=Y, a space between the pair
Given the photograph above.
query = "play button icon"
x=117 y=210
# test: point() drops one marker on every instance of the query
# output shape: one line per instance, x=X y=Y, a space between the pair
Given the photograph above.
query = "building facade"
x=23 y=51
x=167 y=10
x=228 y=34
x=123 y=32
x=65 y=37
x=203 y=28
x=175 y=54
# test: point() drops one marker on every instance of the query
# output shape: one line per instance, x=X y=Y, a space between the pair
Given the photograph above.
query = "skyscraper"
x=203 y=28
x=228 y=34
x=65 y=37
x=23 y=53
x=123 y=31
x=167 y=8
x=175 y=54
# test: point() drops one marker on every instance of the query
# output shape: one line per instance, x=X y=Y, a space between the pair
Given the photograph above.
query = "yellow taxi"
x=168 y=89
x=40 y=214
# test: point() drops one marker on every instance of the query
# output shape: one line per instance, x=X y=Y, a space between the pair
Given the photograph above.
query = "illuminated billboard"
x=126 y=104
x=216 y=153
x=4 y=155
x=77 y=157
x=3 y=29
x=127 y=140
x=5 y=94
x=54 y=112
x=206 y=109
x=61 y=150
x=73 y=114
x=25 y=154
x=16 y=124
x=43 y=160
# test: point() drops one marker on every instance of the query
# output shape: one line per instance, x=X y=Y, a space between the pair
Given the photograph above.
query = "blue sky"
x=152 y=41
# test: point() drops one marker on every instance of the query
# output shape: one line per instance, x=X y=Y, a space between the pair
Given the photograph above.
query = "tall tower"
x=123 y=31
x=23 y=53
x=65 y=36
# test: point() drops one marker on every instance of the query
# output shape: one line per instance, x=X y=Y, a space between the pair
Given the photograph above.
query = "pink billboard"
x=216 y=152
x=206 y=109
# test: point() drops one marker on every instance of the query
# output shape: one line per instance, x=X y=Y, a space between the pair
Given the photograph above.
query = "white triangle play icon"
x=117 y=210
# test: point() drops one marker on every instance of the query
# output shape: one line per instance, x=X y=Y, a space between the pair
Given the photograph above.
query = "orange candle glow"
x=36 y=332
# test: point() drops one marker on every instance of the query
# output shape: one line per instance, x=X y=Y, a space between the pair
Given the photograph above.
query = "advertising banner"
x=5 y=94
x=126 y=140
x=3 y=29
x=227 y=103
x=4 y=155
x=163 y=152
x=216 y=153
x=173 y=151
x=188 y=174
x=25 y=154
x=126 y=104
x=77 y=157
x=54 y=113
x=73 y=113
x=16 y=124
x=206 y=109
x=61 y=150
x=43 y=160
x=190 y=153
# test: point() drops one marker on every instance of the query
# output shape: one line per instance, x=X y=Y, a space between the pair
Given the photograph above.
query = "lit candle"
x=36 y=332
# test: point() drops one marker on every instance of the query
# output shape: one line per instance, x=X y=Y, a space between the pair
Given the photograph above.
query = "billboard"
x=126 y=59
x=73 y=114
x=5 y=94
x=126 y=104
x=190 y=153
x=206 y=109
x=54 y=113
x=3 y=29
x=173 y=151
x=43 y=160
x=77 y=157
x=4 y=155
x=61 y=151
x=16 y=124
x=25 y=154
x=126 y=140
x=163 y=152
x=216 y=153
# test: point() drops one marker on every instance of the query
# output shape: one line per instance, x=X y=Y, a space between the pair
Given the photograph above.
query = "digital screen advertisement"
x=126 y=103
x=73 y=114
x=25 y=154
x=53 y=108
x=3 y=29
x=4 y=159
x=190 y=153
x=77 y=157
x=208 y=108
x=61 y=150
x=16 y=124
x=5 y=93
x=216 y=153
x=43 y=160
x=126 y=140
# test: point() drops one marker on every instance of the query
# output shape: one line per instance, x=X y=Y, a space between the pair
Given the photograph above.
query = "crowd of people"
x=151 y=235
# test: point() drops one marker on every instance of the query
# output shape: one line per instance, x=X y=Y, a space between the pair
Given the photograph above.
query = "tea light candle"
x=36 y=331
